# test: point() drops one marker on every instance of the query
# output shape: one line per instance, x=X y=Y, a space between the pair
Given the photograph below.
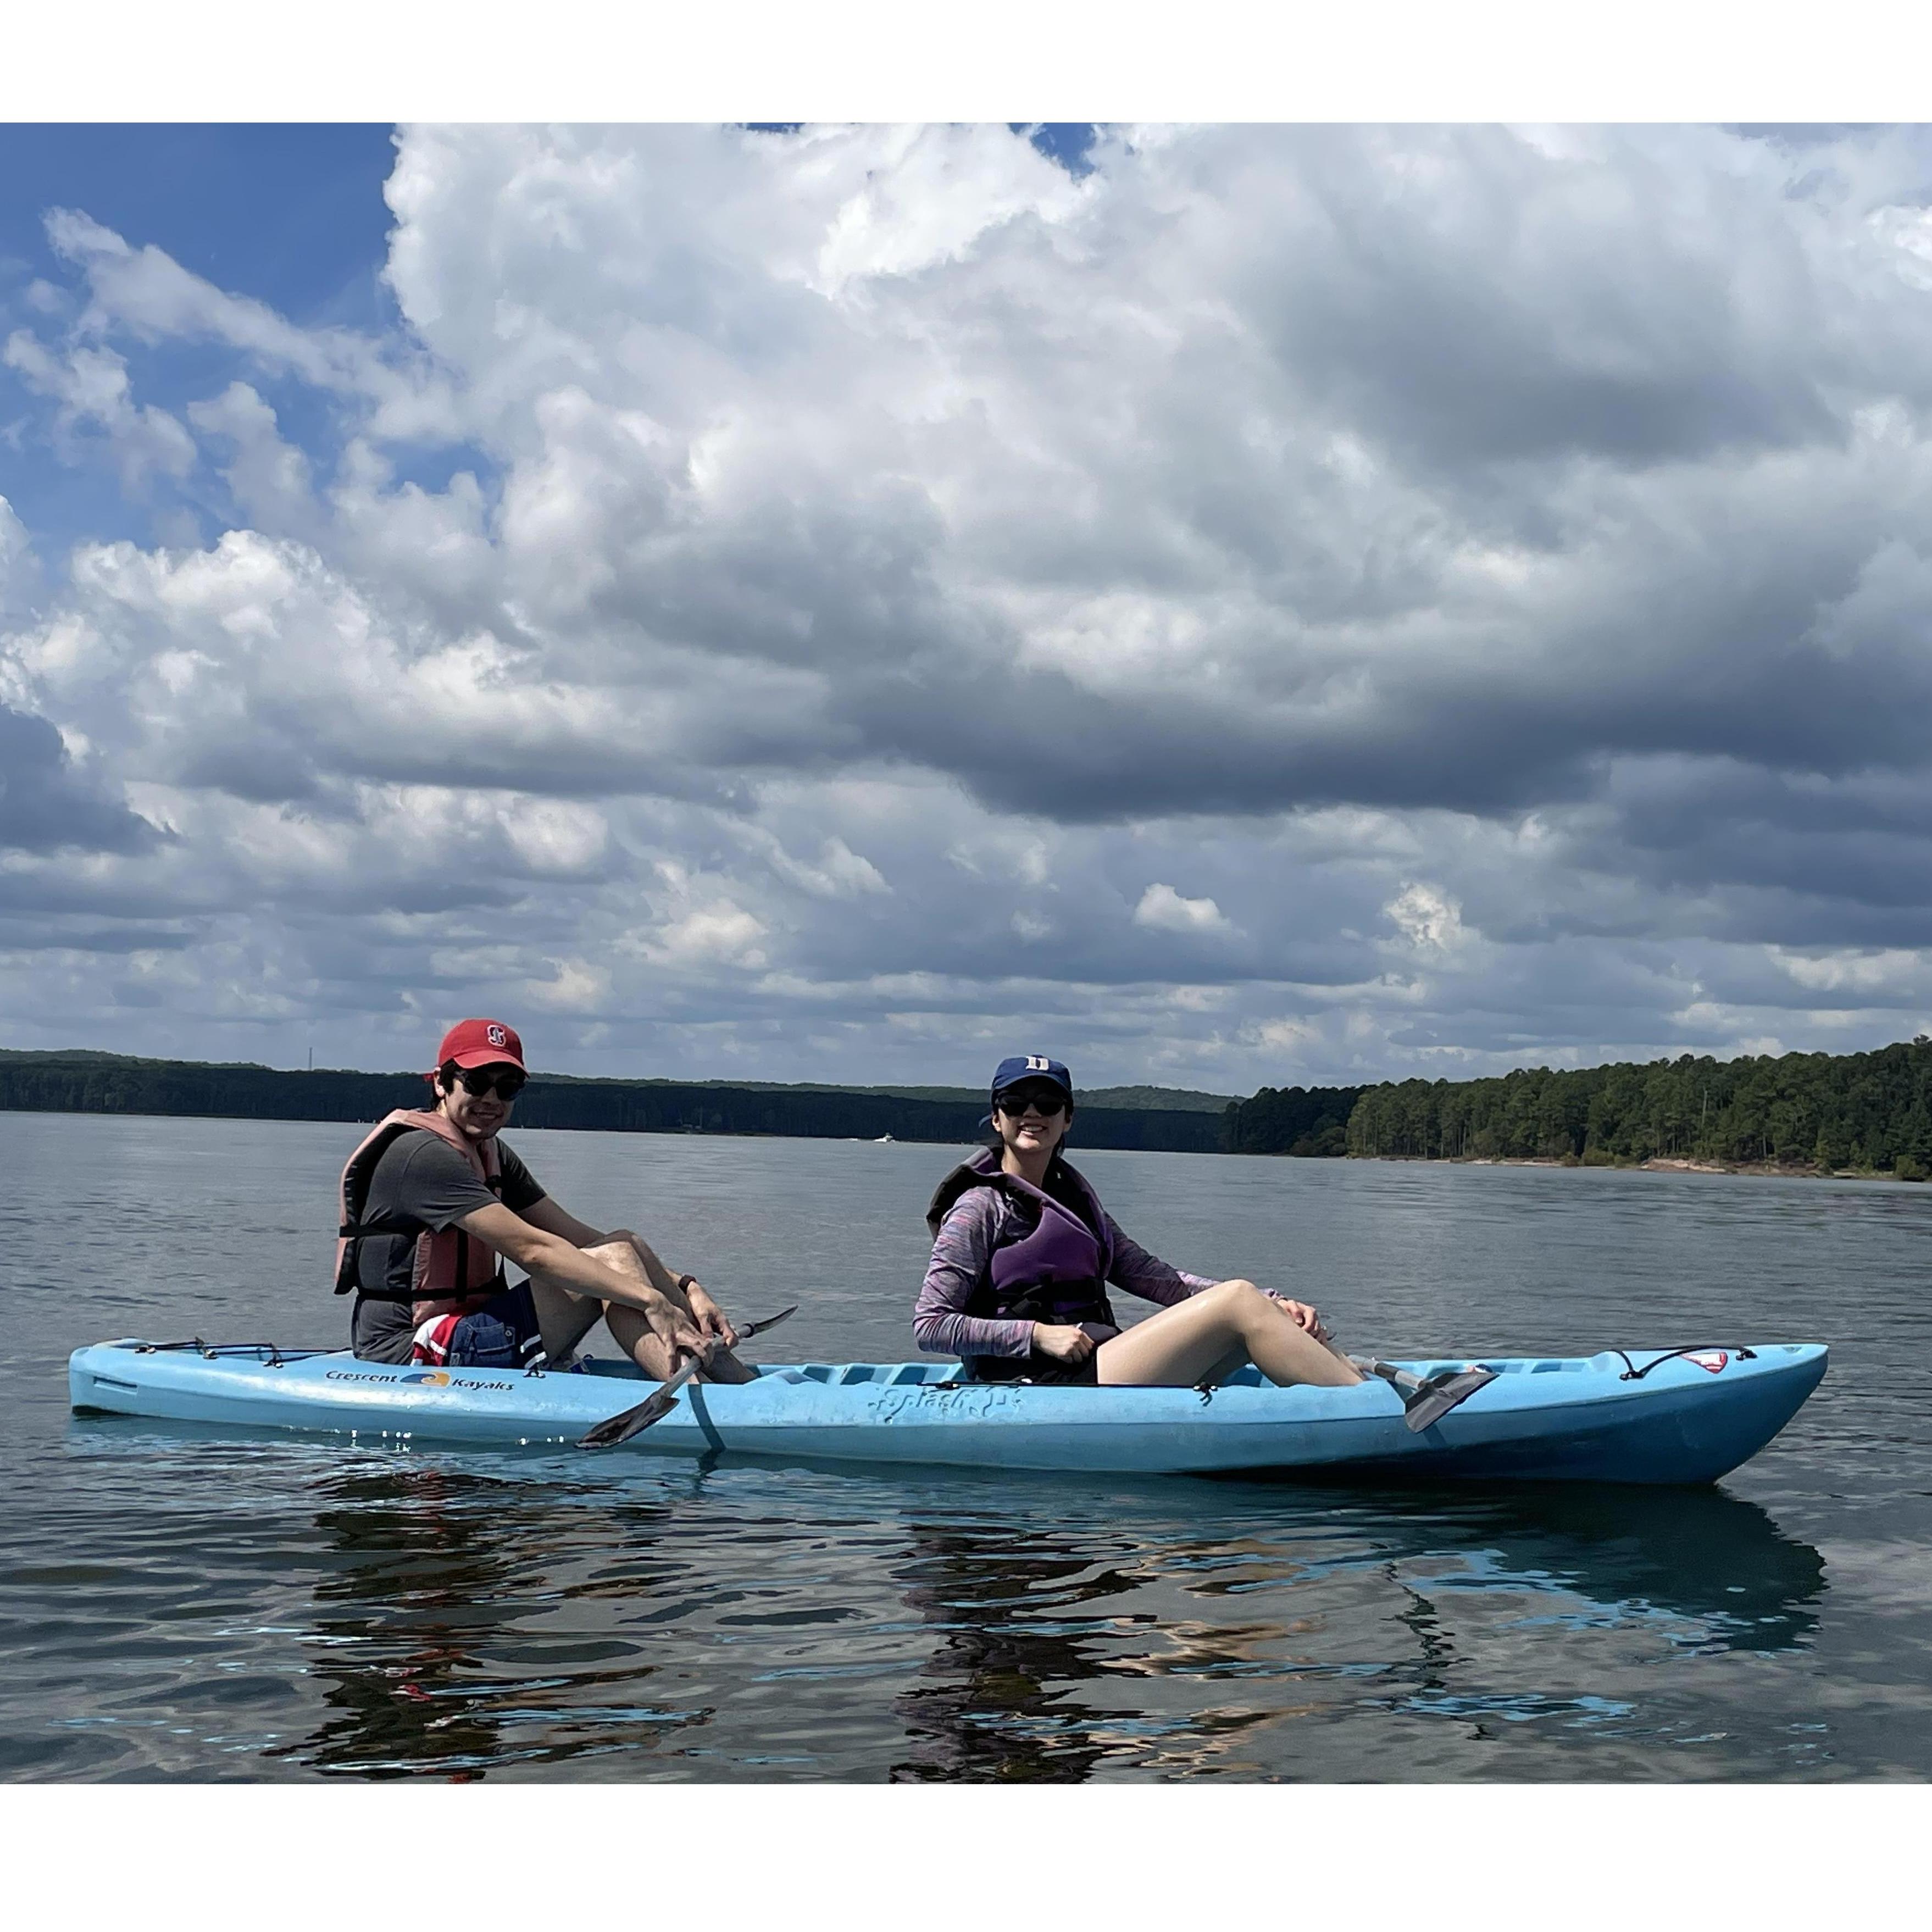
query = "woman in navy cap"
x=1023 y=1253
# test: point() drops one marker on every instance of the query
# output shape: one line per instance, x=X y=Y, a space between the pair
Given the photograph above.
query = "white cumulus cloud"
x=765 y=593
x=1428 y=919
x=1163 y=909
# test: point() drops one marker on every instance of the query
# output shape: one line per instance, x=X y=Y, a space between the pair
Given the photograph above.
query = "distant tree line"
x=1871 y=1112
x=1307 y=1121
x=91 y=1083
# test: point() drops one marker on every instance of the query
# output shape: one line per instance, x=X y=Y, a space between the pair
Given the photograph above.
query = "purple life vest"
x=1054 y=1273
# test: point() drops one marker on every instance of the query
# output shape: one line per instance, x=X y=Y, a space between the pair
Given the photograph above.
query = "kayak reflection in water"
x=1023 y=1253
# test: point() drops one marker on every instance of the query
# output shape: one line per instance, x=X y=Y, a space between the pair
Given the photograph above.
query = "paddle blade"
x=1440 y=1394
x=607 y=1435
x=617 y=1428
x=770 y=1321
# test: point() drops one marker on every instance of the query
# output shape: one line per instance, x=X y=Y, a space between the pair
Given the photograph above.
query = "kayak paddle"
x=1428 y=1400
x=620 y=1428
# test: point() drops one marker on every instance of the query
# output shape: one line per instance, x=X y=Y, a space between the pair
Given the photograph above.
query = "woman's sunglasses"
x=1044 y=1101
x=481 y=1082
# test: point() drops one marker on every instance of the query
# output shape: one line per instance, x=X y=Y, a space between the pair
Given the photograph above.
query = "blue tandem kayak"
x=1635 y=1416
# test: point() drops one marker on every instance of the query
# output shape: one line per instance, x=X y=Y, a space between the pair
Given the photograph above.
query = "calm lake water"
x=181 y=1604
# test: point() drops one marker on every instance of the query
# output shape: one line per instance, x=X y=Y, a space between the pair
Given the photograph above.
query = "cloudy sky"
x=1226 y=605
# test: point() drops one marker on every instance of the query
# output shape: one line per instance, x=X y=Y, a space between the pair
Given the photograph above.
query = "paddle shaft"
x=1372 y=1365
x=667 y=1389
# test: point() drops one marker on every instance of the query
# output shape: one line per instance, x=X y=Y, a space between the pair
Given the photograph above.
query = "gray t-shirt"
x=422 y=1179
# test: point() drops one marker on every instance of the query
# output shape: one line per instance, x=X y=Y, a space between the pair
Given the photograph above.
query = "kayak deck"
x=1639 y=1416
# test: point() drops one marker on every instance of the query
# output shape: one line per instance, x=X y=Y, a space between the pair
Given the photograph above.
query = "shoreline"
x=1762 y=1170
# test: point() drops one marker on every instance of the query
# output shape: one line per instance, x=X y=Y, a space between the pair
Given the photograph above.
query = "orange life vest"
x=454 y=1273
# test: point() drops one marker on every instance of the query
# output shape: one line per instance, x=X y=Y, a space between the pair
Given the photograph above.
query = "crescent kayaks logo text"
x=423 y=1378
x=1713 y=1359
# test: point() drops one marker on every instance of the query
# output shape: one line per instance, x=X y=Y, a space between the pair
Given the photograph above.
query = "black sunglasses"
x=482 y=1081
x=1044 y=1101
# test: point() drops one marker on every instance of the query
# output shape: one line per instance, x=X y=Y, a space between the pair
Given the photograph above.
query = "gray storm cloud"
x=47 y=806
x=887 y=581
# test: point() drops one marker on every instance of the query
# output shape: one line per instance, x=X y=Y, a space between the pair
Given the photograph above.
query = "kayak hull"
x=1588 y=1419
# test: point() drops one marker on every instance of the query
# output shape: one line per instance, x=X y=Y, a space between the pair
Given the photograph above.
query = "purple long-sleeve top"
x=976 y=1224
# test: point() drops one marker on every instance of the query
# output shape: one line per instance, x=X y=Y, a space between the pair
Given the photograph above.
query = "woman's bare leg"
x=1177 y=1347
x=639 y=1340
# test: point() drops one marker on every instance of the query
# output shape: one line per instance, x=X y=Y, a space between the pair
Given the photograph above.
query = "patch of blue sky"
x=61 y=504
x=292 y=216
x=1069 y=142
x=432 y=466
x=67 y=486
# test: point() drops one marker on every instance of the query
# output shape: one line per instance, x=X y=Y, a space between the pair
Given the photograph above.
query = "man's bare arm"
x=556 y=1260
x=554 y=1220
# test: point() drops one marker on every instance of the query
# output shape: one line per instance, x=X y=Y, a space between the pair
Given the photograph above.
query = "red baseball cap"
x=481 y=1043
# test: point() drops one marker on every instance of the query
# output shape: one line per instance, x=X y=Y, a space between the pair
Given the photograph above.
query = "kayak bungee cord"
x=271 y=1352
x=1632 y=1373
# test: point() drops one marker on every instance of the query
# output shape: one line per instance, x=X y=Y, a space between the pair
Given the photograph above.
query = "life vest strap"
x=442 y=1261
x=498 y=1284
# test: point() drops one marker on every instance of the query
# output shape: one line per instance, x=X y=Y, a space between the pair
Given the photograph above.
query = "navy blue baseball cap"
x=1018 y=1068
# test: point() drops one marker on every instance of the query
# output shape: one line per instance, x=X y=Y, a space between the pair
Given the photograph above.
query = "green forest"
x=1868 y=1113
x=105 y=1083
x=1308 y=1122
x=1864 y=1113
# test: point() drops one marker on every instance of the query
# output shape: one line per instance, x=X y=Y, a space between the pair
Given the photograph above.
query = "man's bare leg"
x=563 y=1318
x=636 y=1336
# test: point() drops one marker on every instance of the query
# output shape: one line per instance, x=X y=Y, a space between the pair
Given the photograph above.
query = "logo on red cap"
x=479 y=1042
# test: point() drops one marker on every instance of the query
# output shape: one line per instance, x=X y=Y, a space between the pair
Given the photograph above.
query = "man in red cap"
x=434 y=1203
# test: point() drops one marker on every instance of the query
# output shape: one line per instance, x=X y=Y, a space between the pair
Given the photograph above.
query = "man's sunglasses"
x=482 y=1081
x=1044 y=1101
